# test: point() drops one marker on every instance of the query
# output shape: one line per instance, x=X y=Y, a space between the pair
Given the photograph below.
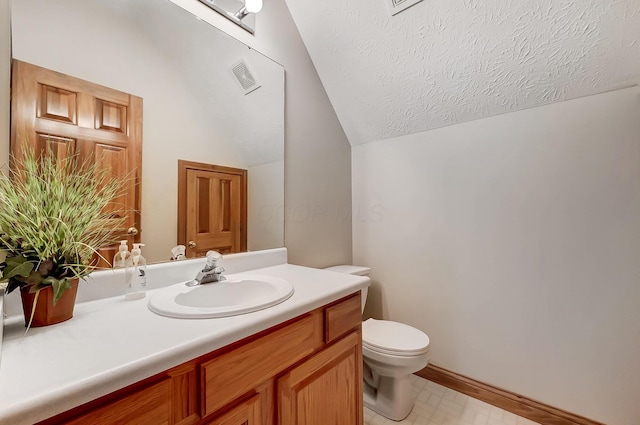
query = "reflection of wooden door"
x=212 y=208
x=54 y=111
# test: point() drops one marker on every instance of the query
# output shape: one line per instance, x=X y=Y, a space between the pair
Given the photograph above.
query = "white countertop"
x=111 y=343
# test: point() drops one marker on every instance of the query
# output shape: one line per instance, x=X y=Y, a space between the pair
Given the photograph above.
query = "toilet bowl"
x=391 y=352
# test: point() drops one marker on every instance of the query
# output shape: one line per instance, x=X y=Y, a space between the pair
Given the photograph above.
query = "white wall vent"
x=245 y=78
x=397 y=6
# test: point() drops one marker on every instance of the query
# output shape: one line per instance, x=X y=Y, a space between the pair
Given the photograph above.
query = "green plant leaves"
x=55 y=214
x=17 y=266
x=58 y=285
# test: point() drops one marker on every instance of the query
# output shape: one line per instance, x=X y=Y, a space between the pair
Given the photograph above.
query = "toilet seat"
x=397 y=339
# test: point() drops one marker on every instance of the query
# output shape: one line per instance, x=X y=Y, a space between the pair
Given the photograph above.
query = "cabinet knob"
x=192 y=244
x=132 y=231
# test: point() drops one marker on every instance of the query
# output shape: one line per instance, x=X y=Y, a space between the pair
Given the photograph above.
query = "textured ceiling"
x=443 y=62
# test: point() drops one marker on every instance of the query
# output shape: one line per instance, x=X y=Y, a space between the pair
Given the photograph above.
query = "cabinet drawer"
x=234 y=373
x=149 y=406
x=342 y=317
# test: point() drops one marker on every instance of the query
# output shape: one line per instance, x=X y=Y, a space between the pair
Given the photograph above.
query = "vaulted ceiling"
x=443 y=62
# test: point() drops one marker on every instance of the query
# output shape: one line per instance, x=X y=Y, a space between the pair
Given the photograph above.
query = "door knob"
x=132 y=231
x=191 y=244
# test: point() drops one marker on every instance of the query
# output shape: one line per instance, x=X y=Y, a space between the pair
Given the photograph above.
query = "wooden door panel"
x=62 y=146
x=228 y=203
x=56 y=104
x=113 y=161
x=110 y=116
x=203 y=197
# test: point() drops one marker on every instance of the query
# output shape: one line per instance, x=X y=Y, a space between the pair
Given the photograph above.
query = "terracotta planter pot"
x=46 y=313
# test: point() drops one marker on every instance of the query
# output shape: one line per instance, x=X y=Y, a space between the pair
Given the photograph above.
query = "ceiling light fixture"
x=250 y=6
x=243 y=17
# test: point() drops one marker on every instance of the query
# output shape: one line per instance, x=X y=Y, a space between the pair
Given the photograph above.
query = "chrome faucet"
x=212 y=272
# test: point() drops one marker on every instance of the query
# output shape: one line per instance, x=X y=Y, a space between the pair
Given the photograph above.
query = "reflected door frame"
x=236 y=186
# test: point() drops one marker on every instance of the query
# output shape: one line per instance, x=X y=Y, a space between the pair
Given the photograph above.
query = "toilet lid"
x=394 y=338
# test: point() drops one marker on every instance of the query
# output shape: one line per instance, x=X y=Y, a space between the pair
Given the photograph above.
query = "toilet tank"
x=355 y=270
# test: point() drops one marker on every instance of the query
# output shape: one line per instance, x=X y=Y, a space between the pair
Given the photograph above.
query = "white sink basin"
x=236 y=295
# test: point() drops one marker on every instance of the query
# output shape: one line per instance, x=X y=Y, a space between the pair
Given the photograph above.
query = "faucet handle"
x=213 y=258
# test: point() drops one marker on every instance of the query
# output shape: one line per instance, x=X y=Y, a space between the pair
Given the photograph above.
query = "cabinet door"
x=247 y=413
x=326 y=389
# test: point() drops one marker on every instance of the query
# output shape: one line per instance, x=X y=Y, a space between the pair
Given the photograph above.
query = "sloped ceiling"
x=443 y=62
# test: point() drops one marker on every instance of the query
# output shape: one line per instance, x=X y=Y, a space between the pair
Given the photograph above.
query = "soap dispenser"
x=123 y=257
x=139 y=278
x=122 y=260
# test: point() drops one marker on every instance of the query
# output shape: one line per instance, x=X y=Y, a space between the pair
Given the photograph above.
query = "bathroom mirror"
x=194 y=107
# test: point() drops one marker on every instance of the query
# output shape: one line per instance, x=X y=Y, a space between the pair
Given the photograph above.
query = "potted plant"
x=53 y=220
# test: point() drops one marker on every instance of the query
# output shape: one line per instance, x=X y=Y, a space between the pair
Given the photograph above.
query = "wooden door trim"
x=183 y=167
x=506 y=400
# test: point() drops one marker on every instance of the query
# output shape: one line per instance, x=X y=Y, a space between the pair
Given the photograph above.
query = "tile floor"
x=438 y=405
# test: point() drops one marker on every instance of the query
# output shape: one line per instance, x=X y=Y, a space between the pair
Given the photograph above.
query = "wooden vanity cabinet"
x=305 y=371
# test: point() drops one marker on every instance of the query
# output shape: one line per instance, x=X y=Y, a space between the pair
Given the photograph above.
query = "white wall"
x=514 y=242
x=317 y=152
x=264 y=215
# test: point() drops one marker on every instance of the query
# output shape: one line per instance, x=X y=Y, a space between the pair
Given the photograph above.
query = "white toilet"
x=391 y=351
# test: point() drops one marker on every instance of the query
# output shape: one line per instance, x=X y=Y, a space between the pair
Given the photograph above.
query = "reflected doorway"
x=212 y=208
